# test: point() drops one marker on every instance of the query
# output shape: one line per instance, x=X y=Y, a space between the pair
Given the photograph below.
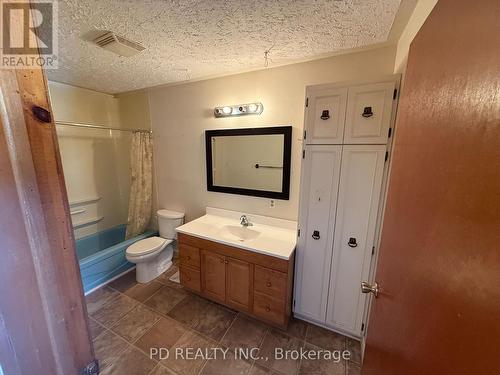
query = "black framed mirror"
x=249 y=161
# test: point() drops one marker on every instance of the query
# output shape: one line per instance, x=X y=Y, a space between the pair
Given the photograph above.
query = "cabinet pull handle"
x=367 y=112
x=352 y=242
x=269 y=284
x=325 y=114
x=316 y=235
x=268 y=308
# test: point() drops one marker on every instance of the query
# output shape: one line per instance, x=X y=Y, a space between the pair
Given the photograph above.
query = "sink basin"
x=238 y=233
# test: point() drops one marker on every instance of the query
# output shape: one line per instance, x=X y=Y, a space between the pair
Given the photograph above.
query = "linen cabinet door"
x=239 y=284
x=319 y=181
x=325 y=115
x=369 y=113
x=213 y=276
x=357 y=211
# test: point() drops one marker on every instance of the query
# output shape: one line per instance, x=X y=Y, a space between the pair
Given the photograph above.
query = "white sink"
x=267 y=235
x=238 y=233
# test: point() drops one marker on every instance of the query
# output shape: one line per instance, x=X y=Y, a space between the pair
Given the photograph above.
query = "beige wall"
x=95 y=162
x=180 y=115
x=418 y=17
x=134 y=110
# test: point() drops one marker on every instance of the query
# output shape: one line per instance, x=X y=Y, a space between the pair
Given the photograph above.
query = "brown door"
x=43 y=317
x=213 y=276
x=439 y=266
x=239 y=278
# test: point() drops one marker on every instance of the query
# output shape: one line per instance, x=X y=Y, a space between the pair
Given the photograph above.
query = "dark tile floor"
x=127 y=319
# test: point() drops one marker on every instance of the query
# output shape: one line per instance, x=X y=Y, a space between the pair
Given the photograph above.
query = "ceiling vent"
x=118 y=44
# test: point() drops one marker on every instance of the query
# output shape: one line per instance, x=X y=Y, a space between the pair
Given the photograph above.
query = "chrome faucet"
x=244 y=221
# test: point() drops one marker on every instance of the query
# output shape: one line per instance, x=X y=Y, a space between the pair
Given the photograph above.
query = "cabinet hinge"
x=395 y=94
x=298 y=232
x=389 y=133
x=305 y=134
x=386 y=155
x=363 y=326
x=307 y=102
x=373 y=250
x=303 y=154
x=91 y=369
x=293 y=303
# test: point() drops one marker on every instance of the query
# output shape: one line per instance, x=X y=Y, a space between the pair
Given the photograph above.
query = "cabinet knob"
x=268 y=308
x=268 y=284
x=188 y=278
x=352 y=242
x=316 y=235
x=367 y=112
x=325 y=114
x=226 y=261
x=188 y=258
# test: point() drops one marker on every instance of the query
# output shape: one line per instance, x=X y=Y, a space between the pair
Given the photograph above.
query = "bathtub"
x=102 y=255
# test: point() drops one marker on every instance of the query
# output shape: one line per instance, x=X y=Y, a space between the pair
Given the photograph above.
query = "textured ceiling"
x=194 y=39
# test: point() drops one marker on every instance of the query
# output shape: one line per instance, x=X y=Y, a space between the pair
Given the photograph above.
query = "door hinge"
x=303 y=154
x=307 y=102
x=91 y=369
x=389 y=133
x=395 y=94
x=363 y=327
x=386 y=155
x=373 y=250
x=305 y=134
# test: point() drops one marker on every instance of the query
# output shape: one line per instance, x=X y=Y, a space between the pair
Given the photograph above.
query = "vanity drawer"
x=269 y=308
x=189 y=256
x=190 y=278
x=270 y=282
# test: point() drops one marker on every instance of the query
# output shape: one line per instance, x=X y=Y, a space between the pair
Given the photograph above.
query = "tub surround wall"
x=96 y=163
x=180 y=114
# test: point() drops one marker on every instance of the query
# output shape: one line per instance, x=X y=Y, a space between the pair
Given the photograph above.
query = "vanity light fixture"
x=239 y=110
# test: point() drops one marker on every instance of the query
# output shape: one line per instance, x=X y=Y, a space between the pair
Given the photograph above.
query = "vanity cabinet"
x=253 y=283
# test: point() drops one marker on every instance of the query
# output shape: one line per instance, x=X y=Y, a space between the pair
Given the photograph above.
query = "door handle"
x=367 y=288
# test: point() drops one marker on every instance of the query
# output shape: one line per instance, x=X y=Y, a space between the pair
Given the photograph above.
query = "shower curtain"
x=141 y=189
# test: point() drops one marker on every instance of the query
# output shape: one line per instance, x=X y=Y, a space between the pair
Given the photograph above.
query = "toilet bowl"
x=153 y=255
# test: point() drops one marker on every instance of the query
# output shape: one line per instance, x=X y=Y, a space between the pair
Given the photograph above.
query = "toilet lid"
x=147 y=245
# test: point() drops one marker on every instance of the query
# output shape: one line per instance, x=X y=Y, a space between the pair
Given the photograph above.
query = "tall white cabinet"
x=347 y=133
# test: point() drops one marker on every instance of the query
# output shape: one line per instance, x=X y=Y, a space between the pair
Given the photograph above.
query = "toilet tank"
x=168 y=221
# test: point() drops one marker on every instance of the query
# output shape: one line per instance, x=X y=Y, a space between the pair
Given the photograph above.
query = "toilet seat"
x=147 y=246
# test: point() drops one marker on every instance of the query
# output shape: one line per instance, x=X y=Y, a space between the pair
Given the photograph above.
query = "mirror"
x=253 y=161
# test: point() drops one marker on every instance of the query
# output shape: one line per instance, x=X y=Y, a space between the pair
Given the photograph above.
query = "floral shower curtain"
x=141 y=189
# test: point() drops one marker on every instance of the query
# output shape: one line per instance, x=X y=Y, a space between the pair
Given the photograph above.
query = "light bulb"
x=227 y=110
x=252 y=107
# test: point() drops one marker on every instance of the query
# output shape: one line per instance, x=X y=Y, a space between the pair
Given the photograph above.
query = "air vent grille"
x=118 y=44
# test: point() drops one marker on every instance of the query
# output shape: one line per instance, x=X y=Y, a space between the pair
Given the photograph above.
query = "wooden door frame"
x=43 y=318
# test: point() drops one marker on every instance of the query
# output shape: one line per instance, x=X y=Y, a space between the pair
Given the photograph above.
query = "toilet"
x=153 y=255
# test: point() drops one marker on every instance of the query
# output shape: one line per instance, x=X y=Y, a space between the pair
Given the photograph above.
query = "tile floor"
x=127 y=319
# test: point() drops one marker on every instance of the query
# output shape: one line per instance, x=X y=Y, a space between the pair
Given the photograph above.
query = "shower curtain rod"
x=90 y=126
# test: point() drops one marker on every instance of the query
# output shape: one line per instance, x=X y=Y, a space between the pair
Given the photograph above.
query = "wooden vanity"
x=257 y=284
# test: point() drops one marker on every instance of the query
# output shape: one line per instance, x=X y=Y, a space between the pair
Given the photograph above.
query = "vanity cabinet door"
x=369 y=112
x=213 y=276
x=239 y=280
x=325 y=115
